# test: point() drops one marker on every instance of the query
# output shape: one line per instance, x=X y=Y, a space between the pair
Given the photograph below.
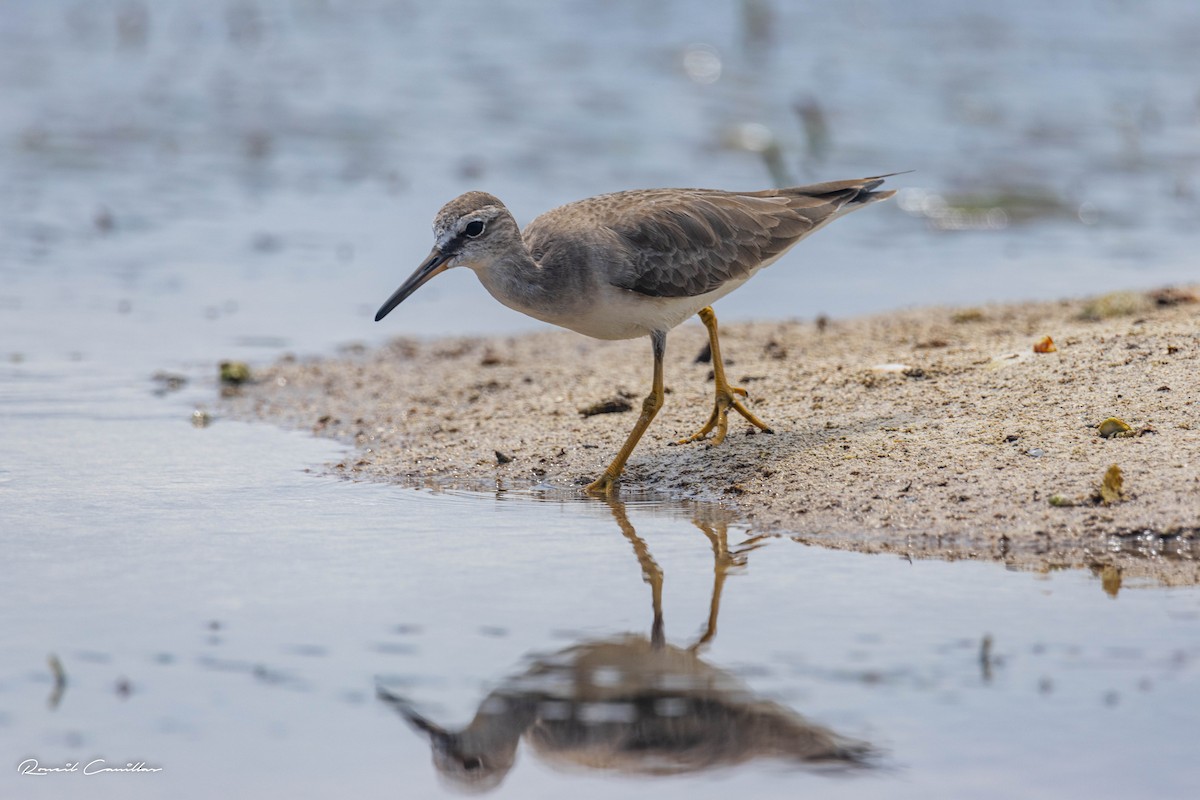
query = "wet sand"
x=929 y=432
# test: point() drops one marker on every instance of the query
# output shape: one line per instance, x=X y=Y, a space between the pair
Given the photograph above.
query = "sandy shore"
x=932 y=432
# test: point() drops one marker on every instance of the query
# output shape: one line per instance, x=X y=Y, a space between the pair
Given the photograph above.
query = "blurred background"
x=256 y=173
x=186 y=181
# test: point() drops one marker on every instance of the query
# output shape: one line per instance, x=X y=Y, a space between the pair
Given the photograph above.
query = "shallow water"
x=185 y=182
x=283 y=160
x=241 y=655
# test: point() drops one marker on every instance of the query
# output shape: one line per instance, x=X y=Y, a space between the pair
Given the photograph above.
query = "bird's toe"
x=604 y=486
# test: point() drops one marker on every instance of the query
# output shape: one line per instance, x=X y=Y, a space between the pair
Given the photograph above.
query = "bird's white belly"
x=623 y=314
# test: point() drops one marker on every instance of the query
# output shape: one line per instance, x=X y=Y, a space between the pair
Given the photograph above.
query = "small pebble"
x=234 y=373
x=1114 y=427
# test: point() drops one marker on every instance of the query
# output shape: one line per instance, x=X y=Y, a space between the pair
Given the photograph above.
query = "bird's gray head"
x=477 y=758
x=468 y=768
x=466 y=231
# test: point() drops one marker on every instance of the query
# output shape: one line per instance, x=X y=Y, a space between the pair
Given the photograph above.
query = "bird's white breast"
x=617 y=313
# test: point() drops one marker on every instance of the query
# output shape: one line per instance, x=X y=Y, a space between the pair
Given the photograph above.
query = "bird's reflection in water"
x=632 y=704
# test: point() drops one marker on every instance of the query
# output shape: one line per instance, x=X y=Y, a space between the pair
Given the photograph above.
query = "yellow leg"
x=651 y=572
x=724 y=560
x=606 y=484
x=726 y=395
x=721 y=563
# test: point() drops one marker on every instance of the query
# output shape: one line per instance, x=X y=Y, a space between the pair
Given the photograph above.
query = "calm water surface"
x=183 y=182
x=231 y=620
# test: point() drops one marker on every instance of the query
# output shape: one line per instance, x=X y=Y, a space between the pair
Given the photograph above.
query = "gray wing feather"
x=683 y=244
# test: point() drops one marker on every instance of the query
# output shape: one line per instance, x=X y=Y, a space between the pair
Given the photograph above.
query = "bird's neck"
x=517 y=281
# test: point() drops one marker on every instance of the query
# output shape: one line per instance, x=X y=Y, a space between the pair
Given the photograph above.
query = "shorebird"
x=635 y=263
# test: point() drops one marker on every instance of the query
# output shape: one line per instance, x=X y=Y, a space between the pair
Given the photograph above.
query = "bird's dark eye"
x=471 y=763
x=474 y=229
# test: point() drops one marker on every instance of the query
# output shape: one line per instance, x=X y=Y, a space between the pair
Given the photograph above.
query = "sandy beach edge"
x=932 y=432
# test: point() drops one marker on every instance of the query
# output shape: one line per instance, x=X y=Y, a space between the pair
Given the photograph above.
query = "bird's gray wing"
x=683 y=243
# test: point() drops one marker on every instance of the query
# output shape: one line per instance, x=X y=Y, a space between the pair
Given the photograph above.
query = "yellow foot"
x=726 y=399
x=604 y=486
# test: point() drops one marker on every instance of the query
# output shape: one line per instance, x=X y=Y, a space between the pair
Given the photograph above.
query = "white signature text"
x=96 y=766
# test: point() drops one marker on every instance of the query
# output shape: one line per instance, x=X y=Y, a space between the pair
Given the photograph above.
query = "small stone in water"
x=234 y=373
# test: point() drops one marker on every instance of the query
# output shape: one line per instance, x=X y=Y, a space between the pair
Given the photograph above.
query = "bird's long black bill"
x=433 y=265
x=435 y=732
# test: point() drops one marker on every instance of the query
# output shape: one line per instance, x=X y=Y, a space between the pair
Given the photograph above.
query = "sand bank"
x=935 y=431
